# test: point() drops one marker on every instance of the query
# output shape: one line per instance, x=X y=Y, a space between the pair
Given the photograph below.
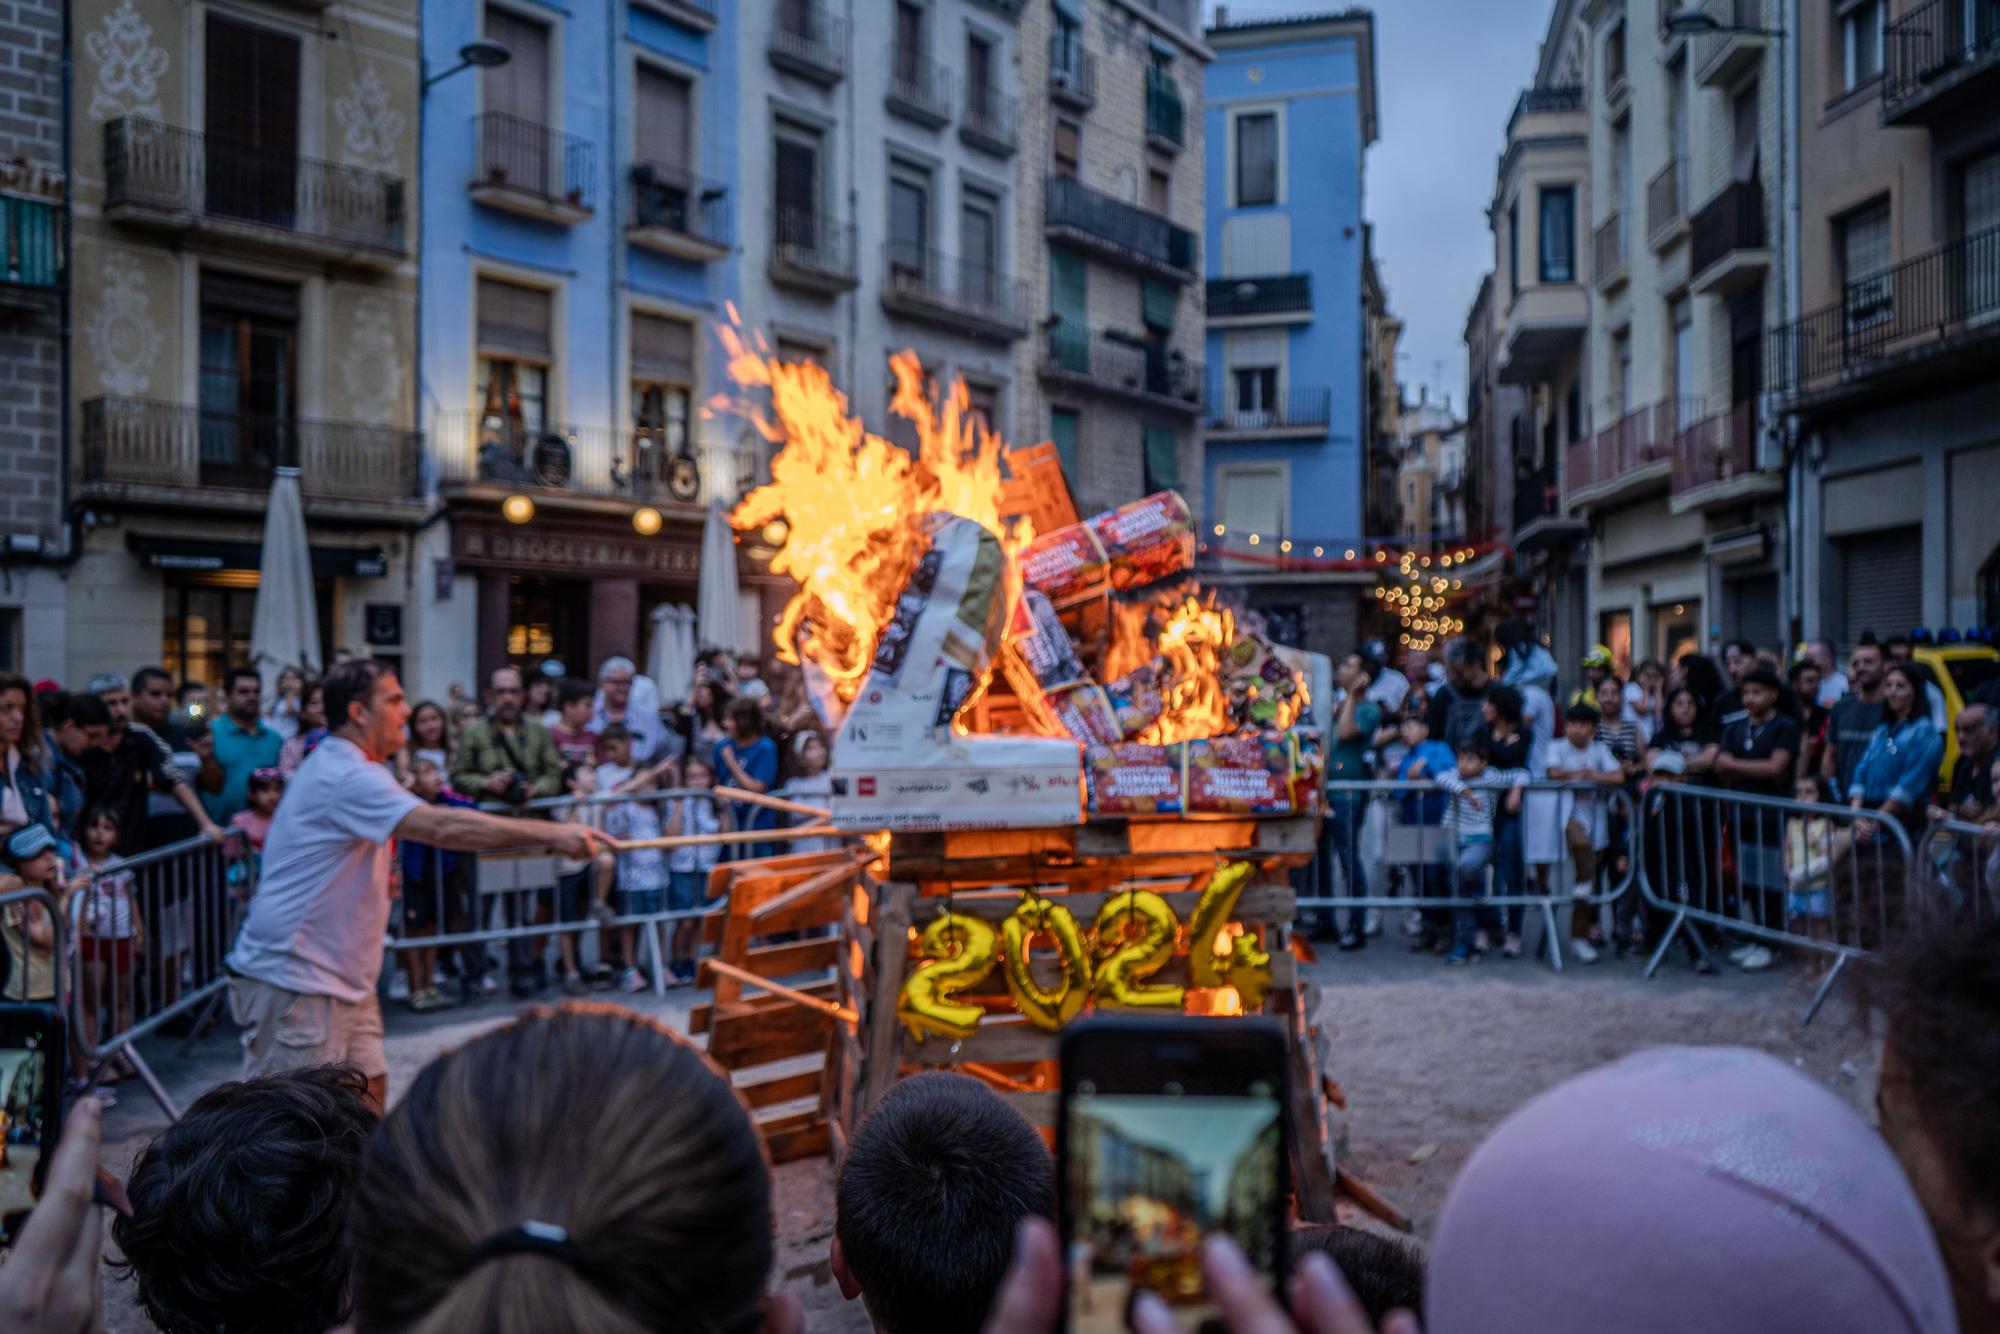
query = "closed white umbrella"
x=285 y=630
x=670 y=661
x=719 y=605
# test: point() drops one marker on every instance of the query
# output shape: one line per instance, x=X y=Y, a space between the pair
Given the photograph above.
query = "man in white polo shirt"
x=303 y=971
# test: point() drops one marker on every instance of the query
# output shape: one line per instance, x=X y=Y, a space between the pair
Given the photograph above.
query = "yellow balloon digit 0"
x=1245 y=966
x=1045 y=1007
x=961 y=951
x=1135 y=934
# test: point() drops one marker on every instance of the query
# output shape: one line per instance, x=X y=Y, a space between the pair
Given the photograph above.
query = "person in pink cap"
x=1710 y=1189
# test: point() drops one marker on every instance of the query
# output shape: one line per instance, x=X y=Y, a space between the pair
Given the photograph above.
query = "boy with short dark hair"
x=927 y=1201
x=1477 y=791
x=434 y=894
x=239 y=1209
x=575 y=743
x=1423 y=760
x=1577 y=756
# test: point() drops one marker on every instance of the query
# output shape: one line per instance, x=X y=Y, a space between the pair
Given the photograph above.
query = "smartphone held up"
x=31 y=1084
x=1169 y=1131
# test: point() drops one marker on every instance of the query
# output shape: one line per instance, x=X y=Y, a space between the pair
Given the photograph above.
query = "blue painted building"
x=579 y=234
x=1291 y=111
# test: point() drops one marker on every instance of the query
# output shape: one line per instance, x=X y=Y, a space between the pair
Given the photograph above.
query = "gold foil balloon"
x=1046 y=1007
x=1245 y=967
x=1135 y=933
x=961 y=949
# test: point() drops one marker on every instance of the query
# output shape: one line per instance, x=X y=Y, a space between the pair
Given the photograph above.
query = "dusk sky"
x=1448 y=72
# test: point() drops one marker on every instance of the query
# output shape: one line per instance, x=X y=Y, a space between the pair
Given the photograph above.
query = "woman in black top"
x=1692 y=732
x=1683 y=839
x=1512 y=748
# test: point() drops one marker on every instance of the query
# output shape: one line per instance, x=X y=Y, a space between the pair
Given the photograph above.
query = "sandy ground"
x=1429 y=1059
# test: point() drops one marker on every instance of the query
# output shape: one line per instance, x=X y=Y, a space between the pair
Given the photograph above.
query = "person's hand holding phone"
x=49 y=1281
x=1321 y=1302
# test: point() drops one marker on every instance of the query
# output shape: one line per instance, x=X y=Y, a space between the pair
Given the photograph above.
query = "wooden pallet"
x=983 y=874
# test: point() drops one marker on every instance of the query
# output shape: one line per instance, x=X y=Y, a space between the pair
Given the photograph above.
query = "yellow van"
x=1960 y=670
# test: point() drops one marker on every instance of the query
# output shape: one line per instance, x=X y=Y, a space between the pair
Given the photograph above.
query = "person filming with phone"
x=303 y=972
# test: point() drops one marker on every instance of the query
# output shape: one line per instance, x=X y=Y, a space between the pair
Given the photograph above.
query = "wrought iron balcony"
x=527 y=167
x=30 y=243
x=699 y=14
x=1272 y=294
x=1295 y=412
x=1715 y=459
x=1633 y=451
x=1923 y=312
x=1164 y=112
x=1666 y=203
x=1722 y=59
x=809 y=41
x=1533 y=101
x=967 y=296
x=919 y=89
x=647 y=465
x=1610 y=244
x=678 y=213
x=1941 y=62
x=1729 y=252
x=136 y=448
x=1106 y=363
x=992 y=121
x=182 y=180
x=1120 y=232
x=812 y=251
x=1072 y=73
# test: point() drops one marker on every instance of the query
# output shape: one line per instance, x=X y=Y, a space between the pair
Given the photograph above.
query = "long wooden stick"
x=773 y=803
x=733 y=836
x=750 y=979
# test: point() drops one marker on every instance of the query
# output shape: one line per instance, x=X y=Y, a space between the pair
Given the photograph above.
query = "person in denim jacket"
x=1898 y=773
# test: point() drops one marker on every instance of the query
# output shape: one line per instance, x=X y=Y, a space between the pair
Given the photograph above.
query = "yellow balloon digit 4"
x=1135 y=933
x=1245 y=966
x=961 y=949
x=1046 y=1008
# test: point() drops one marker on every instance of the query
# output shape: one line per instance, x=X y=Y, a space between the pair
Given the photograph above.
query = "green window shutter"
x=1157 y=304
x=1163 y=459
x=1066 y=286
x=1064 y=428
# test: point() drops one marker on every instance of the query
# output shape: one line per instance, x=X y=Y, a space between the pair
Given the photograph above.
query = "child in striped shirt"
x=1477 y=789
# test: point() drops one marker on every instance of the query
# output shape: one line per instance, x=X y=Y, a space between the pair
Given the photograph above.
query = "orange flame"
x=853 y=504
x=1191 y=646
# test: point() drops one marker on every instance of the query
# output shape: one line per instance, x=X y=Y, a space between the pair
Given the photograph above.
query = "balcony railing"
x=1934 y=45
x=1121 y=230
x=652 y=465
x=1180 y=13
x=1637 y=440
x=992 y=120
x=668 y=198
x=1919 y=307
x=1716 y=449
x=1006 y=9
x=1535 y=497
x=131 y=442
x=30 y=243
x=1609 y=249
x=1666 y=198
x=1100 y=361
x=1533 y=100
x=188 y=178
x=529 y=158
x=1274 y=294
x=964 y=294
x=809 y=41
x=919 y=89
x=1732 y=221
x=812 y=249
x=701 y=13
x=1295 y=409
x=1164 y=112
x=1072 y=72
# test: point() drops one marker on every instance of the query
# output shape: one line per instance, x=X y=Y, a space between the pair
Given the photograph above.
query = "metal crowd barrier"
x=19 y=953
x=185 y=902
x=1957 y=872
x=467 y=903
x=1820 y=878
x=1367 y=838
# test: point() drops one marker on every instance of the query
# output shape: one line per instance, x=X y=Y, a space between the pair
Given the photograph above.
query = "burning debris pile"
x=975 y=674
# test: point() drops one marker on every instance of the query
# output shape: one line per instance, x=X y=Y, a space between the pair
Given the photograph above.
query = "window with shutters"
x=1159 y=190
x=1979 y=202
x=516 y=348
x=1865 y=259
x=983 y=404
x=519 y=88
x=1251 y=500
x=1680 y=319
x=1860 y=41
x=1163 y=459
x=1065 y=430
x=981 y=96
x=1066 y=147
x=251 y=126
x=663 y=378
x=1256 y=159
x=1069 y=341
x=1514 y=248
x=796 y=189
x=1878 y=573
x=909 y=222
x=979 y=246
x=249 y=354
x=1558 y=234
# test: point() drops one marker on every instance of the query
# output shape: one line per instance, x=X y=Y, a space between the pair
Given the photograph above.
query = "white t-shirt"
x=1389 y=689
x=322 y=902
x=1585 y=808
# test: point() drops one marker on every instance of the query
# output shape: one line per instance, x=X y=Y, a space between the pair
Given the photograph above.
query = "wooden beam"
x=750 y=979
x=805 y=889
x=772 y=803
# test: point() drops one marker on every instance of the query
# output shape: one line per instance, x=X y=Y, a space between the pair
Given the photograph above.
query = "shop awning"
x=198 y=555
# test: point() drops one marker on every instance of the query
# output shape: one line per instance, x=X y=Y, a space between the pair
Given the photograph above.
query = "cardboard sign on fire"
x=898 y=762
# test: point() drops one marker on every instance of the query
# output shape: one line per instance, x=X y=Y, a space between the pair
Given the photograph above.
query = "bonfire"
x=976 y=672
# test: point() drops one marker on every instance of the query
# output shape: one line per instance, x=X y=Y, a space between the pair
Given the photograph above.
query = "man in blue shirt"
x=239 y=743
